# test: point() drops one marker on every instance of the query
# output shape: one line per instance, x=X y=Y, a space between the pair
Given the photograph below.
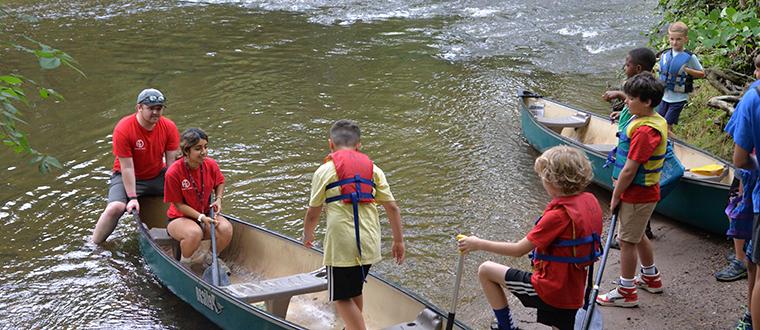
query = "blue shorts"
x=671 y=111
x=740 y=215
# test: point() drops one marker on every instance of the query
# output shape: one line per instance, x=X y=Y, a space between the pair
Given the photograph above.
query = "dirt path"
x=693 y=299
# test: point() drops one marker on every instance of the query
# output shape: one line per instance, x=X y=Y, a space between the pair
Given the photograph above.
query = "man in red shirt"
x=141 y=142
x=642 y=147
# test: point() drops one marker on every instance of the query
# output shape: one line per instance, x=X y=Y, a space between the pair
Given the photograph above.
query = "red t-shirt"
x=643 y=142
x=182 y=184
x=560 y=284
x=146 y=148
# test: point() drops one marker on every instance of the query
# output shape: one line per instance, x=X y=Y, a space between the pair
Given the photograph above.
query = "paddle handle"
x=457 y=281
x=214 y=263
x=600 y=272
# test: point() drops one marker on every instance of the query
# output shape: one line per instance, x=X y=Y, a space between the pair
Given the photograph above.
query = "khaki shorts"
x=633 y=220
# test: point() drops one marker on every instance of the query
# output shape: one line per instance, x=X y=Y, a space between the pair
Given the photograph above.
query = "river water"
x=430 y=82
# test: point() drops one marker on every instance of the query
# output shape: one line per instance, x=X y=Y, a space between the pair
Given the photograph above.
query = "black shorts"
x=518 y=283
x=346 y=282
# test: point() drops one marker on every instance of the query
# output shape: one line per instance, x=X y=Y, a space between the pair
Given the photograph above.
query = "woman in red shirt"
x=188 y=185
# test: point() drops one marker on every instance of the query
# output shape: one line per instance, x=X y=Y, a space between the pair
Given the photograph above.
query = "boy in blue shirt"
x=746 y=137
x=678 y=68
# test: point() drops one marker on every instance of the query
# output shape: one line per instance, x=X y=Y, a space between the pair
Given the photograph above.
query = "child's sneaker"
x=650 y=283
x=620 y=297
x=734 y=271
x=745 y=323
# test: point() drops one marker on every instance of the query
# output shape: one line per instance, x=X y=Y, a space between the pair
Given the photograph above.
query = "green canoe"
x=276 y=282
x=696 y=200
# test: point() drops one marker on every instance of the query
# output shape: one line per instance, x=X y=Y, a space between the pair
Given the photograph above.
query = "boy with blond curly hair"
x=564 y=241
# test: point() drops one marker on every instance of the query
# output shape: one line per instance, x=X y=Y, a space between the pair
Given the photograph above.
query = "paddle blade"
x=596 y=319
x=224 y=279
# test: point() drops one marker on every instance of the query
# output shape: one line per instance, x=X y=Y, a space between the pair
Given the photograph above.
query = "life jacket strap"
x=350 y=181
x=592 y=239
x=355 y=198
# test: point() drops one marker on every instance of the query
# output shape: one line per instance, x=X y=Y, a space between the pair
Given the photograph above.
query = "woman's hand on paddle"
x=468 y=244
x=207 y=220
x=217 y=205
x=397 y=249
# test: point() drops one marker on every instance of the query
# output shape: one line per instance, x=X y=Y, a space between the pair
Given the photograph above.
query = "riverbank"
x=703 y=126
x=693 y=299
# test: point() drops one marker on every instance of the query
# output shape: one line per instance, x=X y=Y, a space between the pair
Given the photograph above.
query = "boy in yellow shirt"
x=351 y=185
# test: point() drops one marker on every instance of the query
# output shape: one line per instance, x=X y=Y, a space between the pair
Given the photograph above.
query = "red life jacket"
x=586 y=217
x=355 y=174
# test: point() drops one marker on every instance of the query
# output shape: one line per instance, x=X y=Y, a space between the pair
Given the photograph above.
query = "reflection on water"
x=430 y=82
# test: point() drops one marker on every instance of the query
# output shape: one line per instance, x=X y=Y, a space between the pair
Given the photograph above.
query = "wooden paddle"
x=453 y=310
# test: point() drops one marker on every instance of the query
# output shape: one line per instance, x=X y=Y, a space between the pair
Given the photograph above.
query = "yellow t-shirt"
x=340 y=241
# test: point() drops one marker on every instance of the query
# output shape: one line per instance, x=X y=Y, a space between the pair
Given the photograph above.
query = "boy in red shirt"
x=640 y=155
x=556 y=286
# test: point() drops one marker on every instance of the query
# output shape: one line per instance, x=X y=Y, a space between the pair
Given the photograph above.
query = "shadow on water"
x=430 y=82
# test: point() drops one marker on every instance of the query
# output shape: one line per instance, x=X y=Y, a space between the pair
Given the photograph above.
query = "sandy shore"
x=693 y=299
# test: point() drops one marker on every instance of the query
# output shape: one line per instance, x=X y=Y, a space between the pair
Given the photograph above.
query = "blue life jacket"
x=672 y=71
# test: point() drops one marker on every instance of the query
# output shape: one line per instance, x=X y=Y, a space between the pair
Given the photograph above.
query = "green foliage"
x=703 y=126
x=13 y=94
x=721 y=34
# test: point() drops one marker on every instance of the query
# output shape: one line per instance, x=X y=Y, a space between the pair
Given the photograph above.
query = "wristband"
x=200 y=218
x=132 y=197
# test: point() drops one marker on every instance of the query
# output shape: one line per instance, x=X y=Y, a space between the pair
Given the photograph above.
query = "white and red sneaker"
x=620 y=297
x=650 y=283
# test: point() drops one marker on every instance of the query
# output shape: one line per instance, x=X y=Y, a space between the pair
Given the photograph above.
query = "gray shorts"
x=150 y=187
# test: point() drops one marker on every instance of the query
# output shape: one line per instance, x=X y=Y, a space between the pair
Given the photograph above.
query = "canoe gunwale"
x=524 y=108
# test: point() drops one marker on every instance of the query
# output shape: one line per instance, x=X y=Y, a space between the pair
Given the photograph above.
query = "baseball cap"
x=151 y=96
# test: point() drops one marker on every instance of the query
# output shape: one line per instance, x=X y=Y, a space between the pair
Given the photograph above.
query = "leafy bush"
x=13 y=95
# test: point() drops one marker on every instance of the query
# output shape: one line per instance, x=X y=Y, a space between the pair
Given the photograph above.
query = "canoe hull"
x=697 y=203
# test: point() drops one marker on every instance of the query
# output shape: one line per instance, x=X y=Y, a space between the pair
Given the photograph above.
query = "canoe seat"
x=577 y=120
x=603 y=148
x=276 y=292
x=162 y=238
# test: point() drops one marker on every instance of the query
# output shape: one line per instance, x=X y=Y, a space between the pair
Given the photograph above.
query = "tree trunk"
x=724 y=102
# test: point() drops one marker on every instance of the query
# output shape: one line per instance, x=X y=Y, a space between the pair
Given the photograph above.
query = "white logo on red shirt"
x=139 y=144
x=185 y=184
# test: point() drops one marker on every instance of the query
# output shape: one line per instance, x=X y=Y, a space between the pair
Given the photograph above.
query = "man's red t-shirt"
x=146 y=148
x=182 y=184
x=643 y=142
x=559 y=284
